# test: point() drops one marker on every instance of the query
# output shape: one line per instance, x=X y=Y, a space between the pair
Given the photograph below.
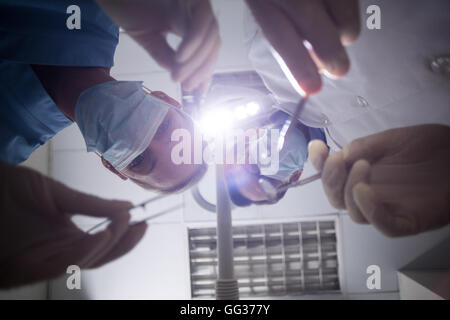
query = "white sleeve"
x=260 y=55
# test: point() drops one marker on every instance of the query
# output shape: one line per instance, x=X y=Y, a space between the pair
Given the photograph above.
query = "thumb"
x=317 y=154
x=364 y=199
x=160 y=50
x=370 y=148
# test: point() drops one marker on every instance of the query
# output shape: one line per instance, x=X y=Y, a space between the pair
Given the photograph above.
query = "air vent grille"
x=274 y=259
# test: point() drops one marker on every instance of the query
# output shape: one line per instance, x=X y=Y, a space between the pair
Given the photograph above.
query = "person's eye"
x=136 y=161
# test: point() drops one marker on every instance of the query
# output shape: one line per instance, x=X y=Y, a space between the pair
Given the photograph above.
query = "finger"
x=360 y=172
x=317 y=153
x=204 y=86
x=417 y=175
x=388 y=143
x=182 y=71
x=371 y=148
x=118 y=228
x=288 y=43
x=84 y=249
x=202 y=17
x=204 y=71
x=160 y=50
x=314 y=23
x=334 y=175
x=386 y=218
x=126 y=244
x=78 y=251
x=345 y=14
x=71 y=201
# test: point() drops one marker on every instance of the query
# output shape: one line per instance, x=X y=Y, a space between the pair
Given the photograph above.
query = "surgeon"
x=387 y=120
x=63 y=76
x=50 y=76
x=129 y=128
x=243 y=179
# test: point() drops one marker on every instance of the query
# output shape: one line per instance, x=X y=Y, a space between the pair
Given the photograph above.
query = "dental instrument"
x=142 y=206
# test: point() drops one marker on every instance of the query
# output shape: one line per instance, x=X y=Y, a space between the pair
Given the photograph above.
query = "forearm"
x=65 y=84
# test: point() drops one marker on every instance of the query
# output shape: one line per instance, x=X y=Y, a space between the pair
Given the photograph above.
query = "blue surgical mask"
x=292 y=156
x=119 y=120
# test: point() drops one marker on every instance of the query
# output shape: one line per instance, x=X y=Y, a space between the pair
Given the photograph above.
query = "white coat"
x=399 y=76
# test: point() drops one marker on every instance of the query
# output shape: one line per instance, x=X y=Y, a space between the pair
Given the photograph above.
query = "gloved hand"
x=38 y=241
x=326 y=24
x=398 y=180
x=149 y=21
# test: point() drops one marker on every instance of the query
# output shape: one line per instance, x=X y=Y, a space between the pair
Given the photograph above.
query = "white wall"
x=423 y=284
x=362 y=246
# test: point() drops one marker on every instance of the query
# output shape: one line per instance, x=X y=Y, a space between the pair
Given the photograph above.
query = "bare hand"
x=398 y=180
x=149 y=22
x=326 y=24
x=38 y=240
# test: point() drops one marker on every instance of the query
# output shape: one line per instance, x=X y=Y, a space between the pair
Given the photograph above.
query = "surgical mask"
x=291 y=157
x=119 y=120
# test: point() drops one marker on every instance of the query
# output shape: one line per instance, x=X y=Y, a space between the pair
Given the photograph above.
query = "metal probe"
x=142 y=205
x=289 y=124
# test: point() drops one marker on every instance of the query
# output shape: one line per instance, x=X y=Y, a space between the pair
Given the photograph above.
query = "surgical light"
x=240 y=113
x=216 y=122
x=220 y=120
x=252 y=108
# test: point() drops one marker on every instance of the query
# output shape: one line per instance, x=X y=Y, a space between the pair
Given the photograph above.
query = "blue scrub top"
x=35 y=32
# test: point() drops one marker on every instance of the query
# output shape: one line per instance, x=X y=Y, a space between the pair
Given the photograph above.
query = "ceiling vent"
x=276 y=259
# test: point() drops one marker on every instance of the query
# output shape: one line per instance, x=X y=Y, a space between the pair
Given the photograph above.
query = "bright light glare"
x=288 y=73
x=215 y=123
x=252 y=108
x=240 y=112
